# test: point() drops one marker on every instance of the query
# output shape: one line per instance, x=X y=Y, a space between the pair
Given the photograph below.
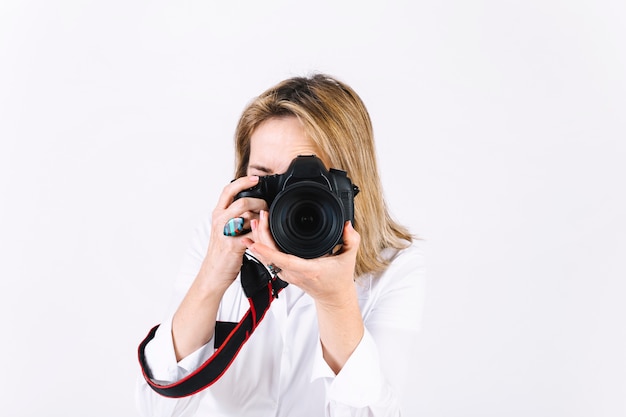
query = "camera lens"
x=306 y=220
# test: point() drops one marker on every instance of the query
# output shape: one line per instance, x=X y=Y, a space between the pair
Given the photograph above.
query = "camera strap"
x=261 y=289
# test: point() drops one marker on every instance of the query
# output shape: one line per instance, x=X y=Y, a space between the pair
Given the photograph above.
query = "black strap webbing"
x=261 y=289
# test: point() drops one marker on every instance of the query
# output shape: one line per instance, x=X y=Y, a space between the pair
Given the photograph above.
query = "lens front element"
x=306 y=220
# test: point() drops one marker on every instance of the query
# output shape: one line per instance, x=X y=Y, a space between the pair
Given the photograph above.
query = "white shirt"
x=280 y=371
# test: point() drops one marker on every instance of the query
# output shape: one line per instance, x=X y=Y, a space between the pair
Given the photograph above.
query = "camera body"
x=308 y=206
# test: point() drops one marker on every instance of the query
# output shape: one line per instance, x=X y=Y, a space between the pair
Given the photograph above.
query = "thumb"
x=351 y=238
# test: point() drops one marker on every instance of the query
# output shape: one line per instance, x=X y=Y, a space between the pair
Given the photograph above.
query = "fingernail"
x=254 y=224
x=253 y=178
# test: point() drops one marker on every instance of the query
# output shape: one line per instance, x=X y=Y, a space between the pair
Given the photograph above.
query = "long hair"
x=336 y=120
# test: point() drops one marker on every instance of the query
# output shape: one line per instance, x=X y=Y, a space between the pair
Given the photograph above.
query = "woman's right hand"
x=193 y=323
x=222 y=262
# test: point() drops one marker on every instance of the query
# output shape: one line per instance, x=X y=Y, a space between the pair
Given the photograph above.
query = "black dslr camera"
x=309 y=206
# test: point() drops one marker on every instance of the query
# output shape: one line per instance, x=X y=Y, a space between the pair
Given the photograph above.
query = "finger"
x=262 y=231
x=244 y=207
x=269 y=255
x=236 y=186
x=263 y=228
x=351 y=238
x=254 y=224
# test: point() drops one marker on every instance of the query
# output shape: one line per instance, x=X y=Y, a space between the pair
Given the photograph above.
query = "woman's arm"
x=373 y=379
x=366 y=349
x=193 y=323
x=328 y=280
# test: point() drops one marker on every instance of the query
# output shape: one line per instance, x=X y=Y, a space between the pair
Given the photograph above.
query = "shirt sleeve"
x=161 y=357
x=372 y=380
x=159 y=352
x=164 y=369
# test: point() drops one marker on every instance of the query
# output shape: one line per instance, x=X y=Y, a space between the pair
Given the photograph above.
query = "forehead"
x=276 y=142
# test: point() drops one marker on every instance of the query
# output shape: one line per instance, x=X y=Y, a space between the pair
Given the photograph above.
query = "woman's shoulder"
x=411 y=257
x=400 y=287
x=406 y=268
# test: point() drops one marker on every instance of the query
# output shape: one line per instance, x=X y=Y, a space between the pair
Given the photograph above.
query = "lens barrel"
x=306 y=220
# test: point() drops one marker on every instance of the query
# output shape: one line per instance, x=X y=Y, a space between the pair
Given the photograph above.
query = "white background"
x=501 y=131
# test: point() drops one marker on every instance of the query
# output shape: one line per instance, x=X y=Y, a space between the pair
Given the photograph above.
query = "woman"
x=338 y=338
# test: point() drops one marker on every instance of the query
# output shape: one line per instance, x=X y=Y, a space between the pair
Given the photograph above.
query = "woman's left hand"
x=329 y=280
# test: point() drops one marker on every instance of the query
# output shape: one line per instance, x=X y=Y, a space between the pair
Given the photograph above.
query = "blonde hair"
x=336 y=119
